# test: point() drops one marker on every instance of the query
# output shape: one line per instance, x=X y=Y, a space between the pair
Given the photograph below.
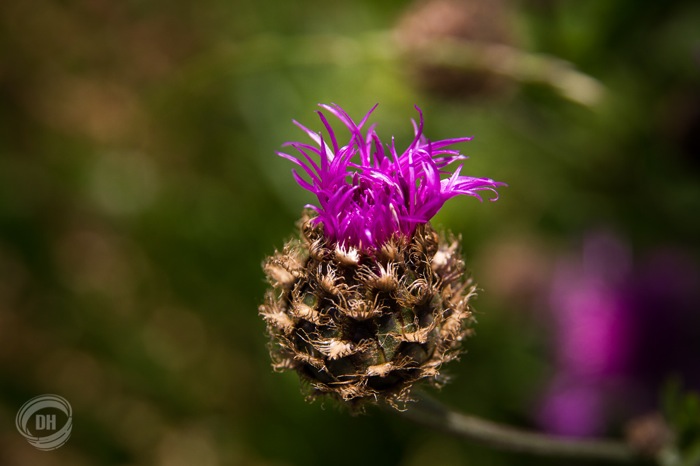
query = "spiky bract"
x=364 y=326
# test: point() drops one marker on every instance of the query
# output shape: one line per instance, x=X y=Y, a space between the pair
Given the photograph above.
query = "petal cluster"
x=367 y=192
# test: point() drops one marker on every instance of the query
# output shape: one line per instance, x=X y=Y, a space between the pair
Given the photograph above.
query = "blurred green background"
x=140 y=191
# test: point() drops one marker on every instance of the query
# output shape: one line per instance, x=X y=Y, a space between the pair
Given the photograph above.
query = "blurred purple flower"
x=620 y=333
x=591 y=337
x=367 y=192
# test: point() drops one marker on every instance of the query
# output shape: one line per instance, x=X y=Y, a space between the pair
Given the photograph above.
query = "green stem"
x=433 y=414
x=269 y=51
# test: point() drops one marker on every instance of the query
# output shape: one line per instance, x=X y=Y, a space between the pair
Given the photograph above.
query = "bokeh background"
x=140 y=191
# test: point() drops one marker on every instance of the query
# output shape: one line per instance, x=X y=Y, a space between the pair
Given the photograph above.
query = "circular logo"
x=38 y=421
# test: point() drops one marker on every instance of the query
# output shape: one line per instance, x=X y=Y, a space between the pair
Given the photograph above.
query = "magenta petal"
x=368 y=192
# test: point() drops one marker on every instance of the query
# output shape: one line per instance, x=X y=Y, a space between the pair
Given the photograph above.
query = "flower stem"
x=432 y=413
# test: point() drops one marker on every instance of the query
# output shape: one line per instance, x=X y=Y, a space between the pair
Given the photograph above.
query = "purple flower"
x=367 y=192
x=623 y=325
x=591 y=318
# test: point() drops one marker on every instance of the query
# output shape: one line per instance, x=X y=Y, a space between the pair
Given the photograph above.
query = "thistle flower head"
x=370 y=299
x=367 y=192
